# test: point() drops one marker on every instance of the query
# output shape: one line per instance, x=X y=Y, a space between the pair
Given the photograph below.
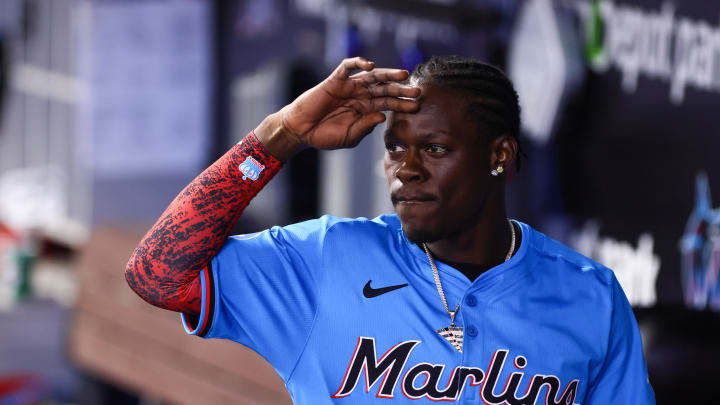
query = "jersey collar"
x=497 y=278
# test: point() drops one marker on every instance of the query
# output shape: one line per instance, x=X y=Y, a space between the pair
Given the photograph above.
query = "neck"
x=486 y=243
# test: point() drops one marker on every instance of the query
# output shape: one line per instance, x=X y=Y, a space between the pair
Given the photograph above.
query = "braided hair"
x=491 y=97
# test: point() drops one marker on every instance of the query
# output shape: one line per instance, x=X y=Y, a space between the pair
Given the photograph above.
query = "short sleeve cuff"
x=200 y=325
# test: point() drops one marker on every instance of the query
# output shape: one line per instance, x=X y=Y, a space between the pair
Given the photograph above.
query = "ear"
x=503 y=152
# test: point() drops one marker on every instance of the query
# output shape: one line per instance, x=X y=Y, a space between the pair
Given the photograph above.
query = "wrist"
x=277 y=139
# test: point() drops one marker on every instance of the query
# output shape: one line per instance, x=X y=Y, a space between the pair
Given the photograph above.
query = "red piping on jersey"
x=208 y=287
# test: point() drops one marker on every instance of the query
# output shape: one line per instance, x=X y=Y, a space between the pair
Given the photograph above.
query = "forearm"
x=164 y=269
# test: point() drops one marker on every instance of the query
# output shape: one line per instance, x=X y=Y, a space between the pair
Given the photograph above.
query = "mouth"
x=412 y=202
x=404 y=198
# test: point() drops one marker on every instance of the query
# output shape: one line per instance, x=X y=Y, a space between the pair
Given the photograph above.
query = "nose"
x=411 y=168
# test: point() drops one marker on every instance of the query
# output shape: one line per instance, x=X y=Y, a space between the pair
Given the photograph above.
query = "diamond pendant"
x=454 y=335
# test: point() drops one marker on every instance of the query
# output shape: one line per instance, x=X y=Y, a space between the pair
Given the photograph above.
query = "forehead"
x=441 y=110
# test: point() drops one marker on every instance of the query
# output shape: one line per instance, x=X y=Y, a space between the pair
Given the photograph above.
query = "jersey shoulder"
x=361 y=230
x=327 y=223
x=329 y=227
x=571 y=263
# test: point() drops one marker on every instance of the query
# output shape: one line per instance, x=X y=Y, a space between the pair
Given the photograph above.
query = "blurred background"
x=108 y=108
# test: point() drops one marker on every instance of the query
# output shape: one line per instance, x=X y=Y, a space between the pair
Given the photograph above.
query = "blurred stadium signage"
x=655 y=42
x=635 y=268
x=623 y=147
x=545 y=66
x=372 y=21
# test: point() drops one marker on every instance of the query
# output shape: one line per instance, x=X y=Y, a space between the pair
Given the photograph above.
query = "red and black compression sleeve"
x=164 y=269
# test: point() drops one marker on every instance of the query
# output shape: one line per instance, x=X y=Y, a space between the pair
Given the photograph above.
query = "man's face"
x=437 y=167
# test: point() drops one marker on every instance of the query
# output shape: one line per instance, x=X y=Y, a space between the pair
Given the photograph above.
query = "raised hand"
x=340 y=111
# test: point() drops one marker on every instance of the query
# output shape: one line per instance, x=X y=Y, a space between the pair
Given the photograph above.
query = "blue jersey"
x=347 y=311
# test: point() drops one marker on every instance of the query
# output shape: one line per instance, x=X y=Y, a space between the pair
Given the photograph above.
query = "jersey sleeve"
x=623 y=377
x=261 y=291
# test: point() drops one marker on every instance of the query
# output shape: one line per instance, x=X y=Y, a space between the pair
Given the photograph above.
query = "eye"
x=436 y=149
x=393 y=147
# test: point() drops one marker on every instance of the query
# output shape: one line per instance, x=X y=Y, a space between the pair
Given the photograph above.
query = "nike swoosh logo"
x=370 y=292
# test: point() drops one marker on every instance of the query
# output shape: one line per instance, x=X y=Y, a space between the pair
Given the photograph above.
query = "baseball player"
x=446 y=300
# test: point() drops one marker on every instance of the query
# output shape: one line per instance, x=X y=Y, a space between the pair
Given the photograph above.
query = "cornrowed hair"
x=491 y=98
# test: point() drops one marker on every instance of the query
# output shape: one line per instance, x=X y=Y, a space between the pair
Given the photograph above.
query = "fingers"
x=348 y=65
x=394 y=90
x=394 y=104
x=381 y=75
x=360 y=128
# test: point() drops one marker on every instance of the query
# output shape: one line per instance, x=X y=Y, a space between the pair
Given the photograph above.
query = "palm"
x=342 y=109
x=333 y=131
x=332 y=111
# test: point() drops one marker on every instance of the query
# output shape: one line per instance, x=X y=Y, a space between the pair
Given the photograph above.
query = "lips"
x=411 y=197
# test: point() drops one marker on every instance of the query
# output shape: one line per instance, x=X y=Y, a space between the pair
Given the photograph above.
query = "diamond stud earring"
x=498 y=171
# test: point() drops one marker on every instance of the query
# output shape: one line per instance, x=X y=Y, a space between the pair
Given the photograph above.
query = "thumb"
x=363 y=126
